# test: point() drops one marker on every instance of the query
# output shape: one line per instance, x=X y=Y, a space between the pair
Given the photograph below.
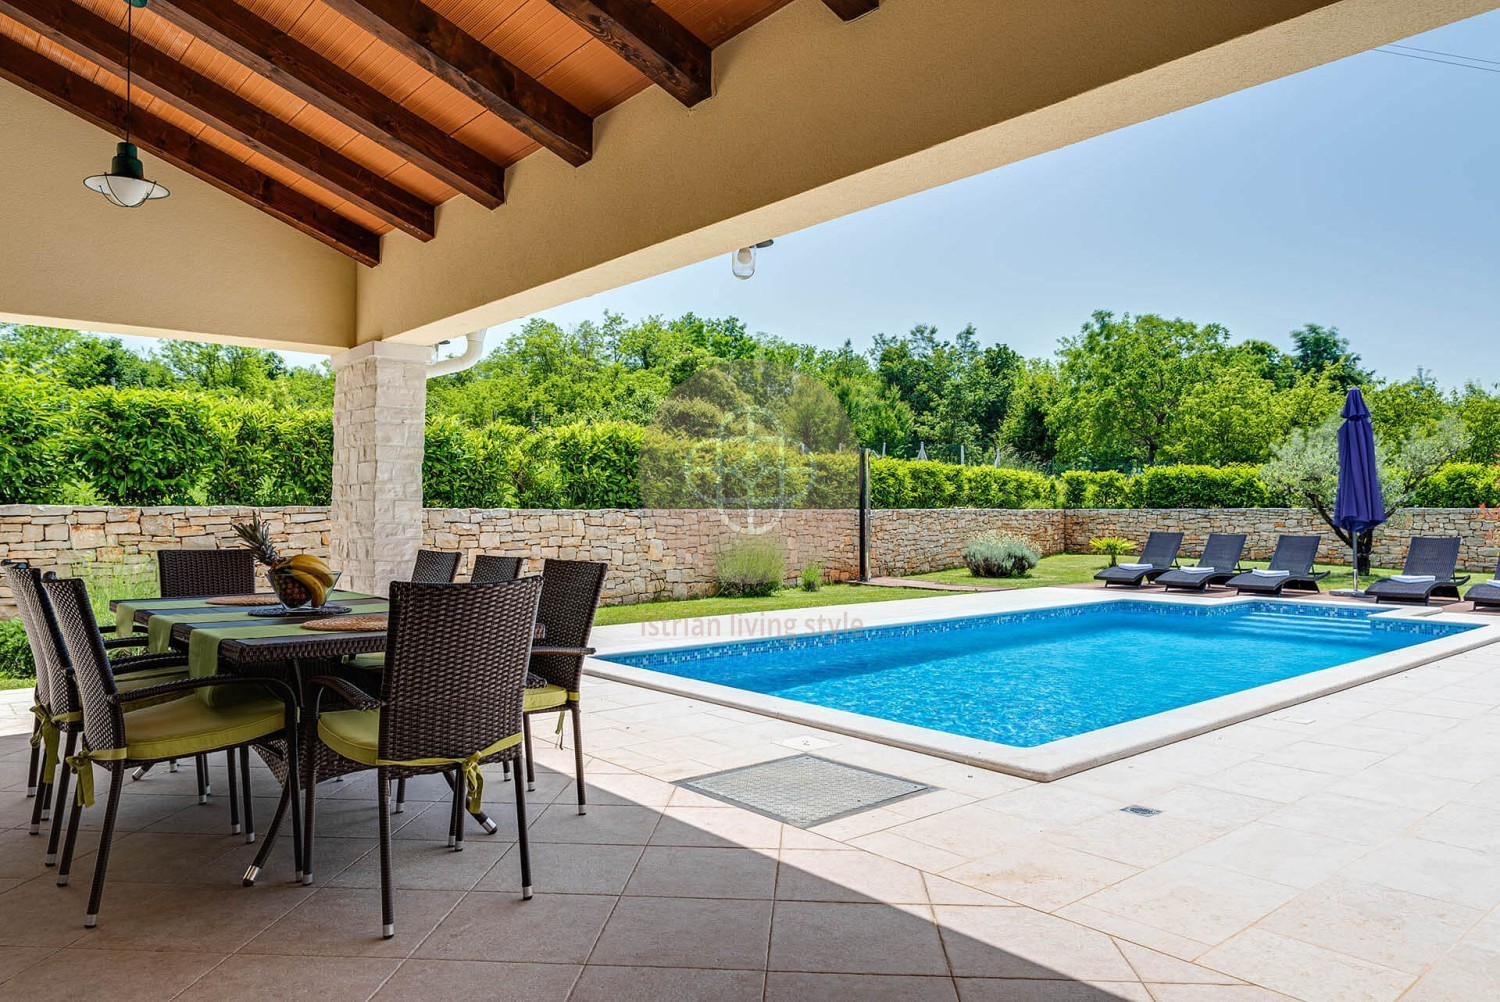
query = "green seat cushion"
x=354 y=734
x=545 y=697
x=376 y=660
x=184 y=727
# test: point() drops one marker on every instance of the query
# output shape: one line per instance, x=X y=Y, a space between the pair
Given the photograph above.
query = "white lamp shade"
x=743 y=262
x=124 y=191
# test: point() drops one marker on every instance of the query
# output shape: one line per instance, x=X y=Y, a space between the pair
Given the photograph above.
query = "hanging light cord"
x=129 y=50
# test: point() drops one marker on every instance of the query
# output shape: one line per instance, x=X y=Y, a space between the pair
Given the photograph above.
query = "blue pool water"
x=1027 y=678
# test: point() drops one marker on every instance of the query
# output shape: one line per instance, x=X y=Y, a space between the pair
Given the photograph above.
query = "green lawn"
x=6 y=682
x=787 y=598
x=1074 y=568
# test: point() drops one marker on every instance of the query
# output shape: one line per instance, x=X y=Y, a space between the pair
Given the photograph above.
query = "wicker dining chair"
x=488 y=567
x=570 y=598
x=450 y=700
x=435 y=567
x=204 y=573
x=56 y=706
x=174 y=728
x=200 y=573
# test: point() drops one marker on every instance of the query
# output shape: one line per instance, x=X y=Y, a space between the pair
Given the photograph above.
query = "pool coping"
x=1042 y=763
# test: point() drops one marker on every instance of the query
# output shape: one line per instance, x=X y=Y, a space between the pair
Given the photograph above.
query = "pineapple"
x=257 y=535
x=299 y=580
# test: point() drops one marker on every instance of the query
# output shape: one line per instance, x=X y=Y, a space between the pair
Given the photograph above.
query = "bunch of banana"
x=311 y=573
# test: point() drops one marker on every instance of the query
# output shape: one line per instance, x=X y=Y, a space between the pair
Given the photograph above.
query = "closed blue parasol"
x=1359 y=506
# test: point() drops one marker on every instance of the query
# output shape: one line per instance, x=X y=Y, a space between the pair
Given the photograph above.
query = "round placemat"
x=341 y=624
x=264 y=599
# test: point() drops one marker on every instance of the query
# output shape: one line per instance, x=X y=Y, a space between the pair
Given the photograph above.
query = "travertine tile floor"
x=1345 y=849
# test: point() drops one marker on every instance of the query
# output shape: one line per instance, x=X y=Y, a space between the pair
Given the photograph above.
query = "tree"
x=1323 y=350
x=1305 y=470
x=1122 y=382
x=248 y=371
x=1027 y=431
x=76 y=359
x=1231 y=419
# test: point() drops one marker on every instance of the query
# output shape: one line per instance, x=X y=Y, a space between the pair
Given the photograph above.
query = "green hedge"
x=1460 y=485
x=151 y=447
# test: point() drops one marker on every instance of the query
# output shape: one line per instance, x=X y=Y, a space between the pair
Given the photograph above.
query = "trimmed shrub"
x=1097 y=489
x=750 y=567
x=145 y=447
x=935 y=484
x=1200 y=487
x=1000 y=555
x=31 y=416
x=811 y=578
x=15 y=652
x=890 y=484
x=602 y=463
x=1460 y=485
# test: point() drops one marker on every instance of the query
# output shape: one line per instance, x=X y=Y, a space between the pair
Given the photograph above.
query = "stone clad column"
x=379 y=409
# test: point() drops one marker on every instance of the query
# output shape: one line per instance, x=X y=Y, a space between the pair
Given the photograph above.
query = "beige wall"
x=813 y=119
x=199 y=264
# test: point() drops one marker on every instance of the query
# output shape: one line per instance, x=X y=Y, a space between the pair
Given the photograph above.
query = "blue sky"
x=1361 y=194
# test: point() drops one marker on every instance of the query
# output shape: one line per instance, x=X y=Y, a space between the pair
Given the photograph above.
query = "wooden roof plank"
x=35 y=73
x=477 y=71
x=643 y=35
x=166 y=78
x=262 y=47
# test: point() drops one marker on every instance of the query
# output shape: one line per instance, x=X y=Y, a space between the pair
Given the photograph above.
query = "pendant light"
x=126 y=184
x=742 y=261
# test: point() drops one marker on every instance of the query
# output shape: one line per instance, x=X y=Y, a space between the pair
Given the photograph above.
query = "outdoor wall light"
x=126 y=184
x=742 y=261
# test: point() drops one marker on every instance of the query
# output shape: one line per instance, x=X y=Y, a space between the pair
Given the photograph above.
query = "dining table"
x=234 y=640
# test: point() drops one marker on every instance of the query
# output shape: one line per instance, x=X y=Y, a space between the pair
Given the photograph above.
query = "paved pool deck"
x=1347 y=848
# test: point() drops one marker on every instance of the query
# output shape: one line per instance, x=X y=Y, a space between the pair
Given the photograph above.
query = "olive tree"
x=1305 y=470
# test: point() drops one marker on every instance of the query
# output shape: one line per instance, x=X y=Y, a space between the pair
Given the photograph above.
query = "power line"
x=1450 y=55
x=1444 y=62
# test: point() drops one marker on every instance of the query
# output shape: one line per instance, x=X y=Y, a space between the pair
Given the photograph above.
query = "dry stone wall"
x=917 y=540
x=670 y=553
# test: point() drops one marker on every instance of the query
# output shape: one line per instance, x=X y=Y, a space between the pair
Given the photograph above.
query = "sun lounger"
x=1219 y=563
x=1486 y=594
x=1291 y=567
x=1158 y=556
x=1430 y=562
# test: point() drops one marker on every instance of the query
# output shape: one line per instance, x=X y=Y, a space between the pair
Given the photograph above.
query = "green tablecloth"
x=232 y=623
x=125 y=611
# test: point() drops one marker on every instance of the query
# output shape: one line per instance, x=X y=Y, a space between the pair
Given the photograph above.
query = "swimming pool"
x=1026 y=679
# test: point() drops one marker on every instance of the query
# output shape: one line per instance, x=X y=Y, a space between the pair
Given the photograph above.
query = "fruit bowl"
x=300 y=590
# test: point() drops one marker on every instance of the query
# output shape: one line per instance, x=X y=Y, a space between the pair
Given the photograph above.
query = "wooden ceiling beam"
x=288 y=63
x=475 y=70
x=53 y=82
x=100 y=41
x=848 y=10
x=653 y=42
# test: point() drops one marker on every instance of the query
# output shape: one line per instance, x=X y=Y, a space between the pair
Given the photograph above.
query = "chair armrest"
x=135 y=662
x=351 y=693
x=1461 y=581
x=111 y=643
x=203 y=682
x=1318 y=575
x=579 y=651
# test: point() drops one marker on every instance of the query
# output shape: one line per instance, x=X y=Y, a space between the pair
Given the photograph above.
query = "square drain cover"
x=804 y=790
